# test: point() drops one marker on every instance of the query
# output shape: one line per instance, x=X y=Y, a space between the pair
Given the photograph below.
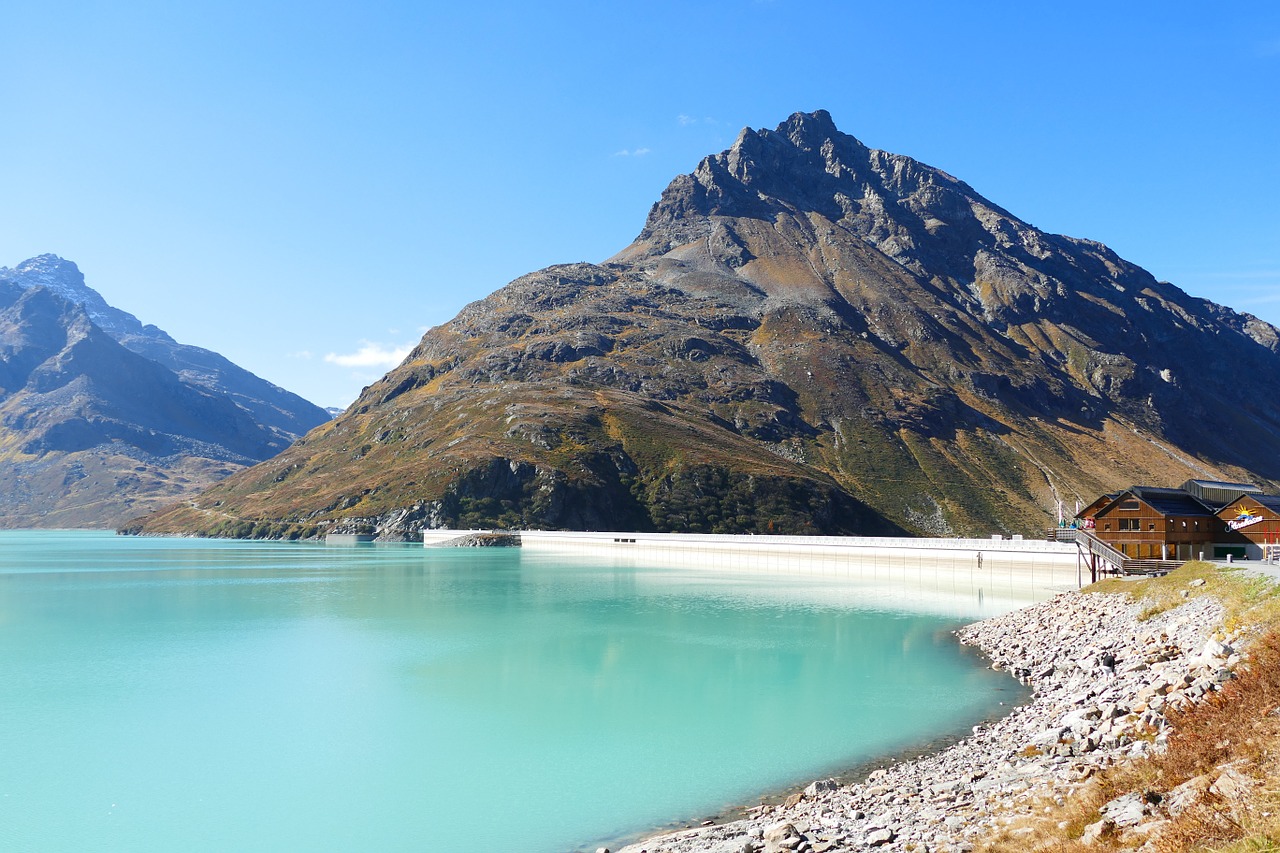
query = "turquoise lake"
x=177 y=694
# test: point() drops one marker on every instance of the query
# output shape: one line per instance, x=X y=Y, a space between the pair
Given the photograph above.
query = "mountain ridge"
x=287 y=413
x=807 y=335
x=92 y=431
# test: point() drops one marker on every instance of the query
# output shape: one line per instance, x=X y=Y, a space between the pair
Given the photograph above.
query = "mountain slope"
x=808 y=335
x=91 y=432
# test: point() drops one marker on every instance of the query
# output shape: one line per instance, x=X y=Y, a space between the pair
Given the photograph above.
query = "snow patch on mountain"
x=65 y=279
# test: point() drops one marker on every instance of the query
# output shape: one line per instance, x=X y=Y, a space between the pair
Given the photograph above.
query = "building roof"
x=1098 y=504
x=1170 y=501
x=1216 y=494
x=1217 y=484
x=1203 y=498
x=1271 y=502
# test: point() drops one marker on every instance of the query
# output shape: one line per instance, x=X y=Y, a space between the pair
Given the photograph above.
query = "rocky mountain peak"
x=797 y=191
x=815 y=125
x=271 y=405
x=810 y=139
x=50 y=270
x=64 y=278
x=57 y=275
x=807 y=167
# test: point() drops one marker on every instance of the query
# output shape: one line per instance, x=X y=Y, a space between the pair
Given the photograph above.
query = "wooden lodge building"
x=1200 y=518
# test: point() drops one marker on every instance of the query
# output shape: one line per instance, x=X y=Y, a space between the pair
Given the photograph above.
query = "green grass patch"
x=1249 y=599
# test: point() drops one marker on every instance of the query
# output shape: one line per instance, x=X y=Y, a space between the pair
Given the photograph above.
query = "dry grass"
x=1207 y=825
x=1237 y=727
x=1239 y=722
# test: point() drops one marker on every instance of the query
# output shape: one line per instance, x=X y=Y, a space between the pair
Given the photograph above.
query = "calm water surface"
x=167 y=694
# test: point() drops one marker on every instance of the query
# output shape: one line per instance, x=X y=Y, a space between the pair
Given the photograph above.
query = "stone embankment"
x=1103 y=681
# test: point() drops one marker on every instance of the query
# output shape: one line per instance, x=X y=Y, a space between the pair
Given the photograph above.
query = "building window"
x=1152 y=526
x=1106 y=526
x=1184 y=524
x=1130 y=506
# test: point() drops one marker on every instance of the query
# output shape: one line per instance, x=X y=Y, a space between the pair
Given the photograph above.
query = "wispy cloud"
x=1254 y=275
x=1255 y=290
x=371 y=355
x=1266 y=298
x=632 y=152
x=684 y=120
x=303 y=354
x=1262 y=277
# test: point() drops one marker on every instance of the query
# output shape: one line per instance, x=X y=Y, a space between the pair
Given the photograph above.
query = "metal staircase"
x=1103 y=559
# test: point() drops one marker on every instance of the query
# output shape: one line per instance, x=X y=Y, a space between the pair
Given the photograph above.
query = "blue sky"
x=306 y=187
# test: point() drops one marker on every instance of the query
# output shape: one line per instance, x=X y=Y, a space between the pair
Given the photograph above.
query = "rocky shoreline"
x=1102 y=681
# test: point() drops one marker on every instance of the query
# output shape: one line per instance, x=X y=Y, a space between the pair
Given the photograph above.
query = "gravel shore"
x=1101 y=680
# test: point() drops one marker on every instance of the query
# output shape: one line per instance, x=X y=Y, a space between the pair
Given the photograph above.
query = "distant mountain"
x=102 y=417
x=808 y=335
x=269 y=404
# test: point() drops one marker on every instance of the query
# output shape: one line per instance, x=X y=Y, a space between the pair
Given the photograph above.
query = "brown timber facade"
x=1147 y=523
x=1250 y=523
x=1202 y=518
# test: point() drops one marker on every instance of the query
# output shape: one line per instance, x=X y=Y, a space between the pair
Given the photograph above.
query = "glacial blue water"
x=178 y=694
